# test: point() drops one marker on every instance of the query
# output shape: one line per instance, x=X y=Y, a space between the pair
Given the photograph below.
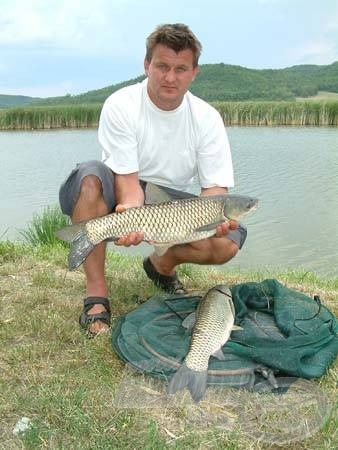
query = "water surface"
x=292 y=170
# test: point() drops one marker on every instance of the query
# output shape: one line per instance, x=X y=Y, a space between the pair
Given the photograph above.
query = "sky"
x=58 y=47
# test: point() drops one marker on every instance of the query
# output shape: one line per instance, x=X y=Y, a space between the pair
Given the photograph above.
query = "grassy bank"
x=66 y=383
x=314 y=113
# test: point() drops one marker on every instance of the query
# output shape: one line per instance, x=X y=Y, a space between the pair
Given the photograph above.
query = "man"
x=155 y=131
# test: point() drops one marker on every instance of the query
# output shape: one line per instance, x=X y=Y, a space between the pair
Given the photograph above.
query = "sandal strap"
x=89 y=302
x=87 y=319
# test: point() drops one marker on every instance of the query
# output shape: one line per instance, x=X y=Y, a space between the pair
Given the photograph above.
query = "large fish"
x=214 y=321
x=164 y=224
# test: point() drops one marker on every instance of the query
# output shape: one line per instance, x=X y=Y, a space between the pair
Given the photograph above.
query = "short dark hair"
x=176 y=36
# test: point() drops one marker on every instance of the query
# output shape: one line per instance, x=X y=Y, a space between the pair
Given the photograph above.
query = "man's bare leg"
x=91 y=204
x=217 y=250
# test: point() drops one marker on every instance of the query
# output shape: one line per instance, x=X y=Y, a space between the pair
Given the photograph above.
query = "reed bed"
x=50 y=117
x=324 y=113
x=311 y=113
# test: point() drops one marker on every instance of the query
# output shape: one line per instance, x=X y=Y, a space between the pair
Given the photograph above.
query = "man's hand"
x=133 y=238
x=223 y=229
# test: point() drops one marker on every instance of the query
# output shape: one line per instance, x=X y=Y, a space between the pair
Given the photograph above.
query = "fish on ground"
x=213 y=323
x=164 y=224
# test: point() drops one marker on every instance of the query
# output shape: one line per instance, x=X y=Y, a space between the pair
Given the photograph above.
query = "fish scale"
x=169 y=221
x=164 y=224
x=213 y=314
x=215 y=321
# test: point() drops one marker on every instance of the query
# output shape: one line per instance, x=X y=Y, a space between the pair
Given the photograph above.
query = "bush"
x=42 y=228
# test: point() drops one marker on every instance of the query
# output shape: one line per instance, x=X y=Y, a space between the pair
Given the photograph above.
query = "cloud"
x=94 y=44
x=42 y=90
x=322 y=46
x=319 y=51
x=67 y=23
x=332 y=21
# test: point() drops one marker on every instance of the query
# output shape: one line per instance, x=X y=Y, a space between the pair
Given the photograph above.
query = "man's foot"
x=169 y=283
x=95 y=317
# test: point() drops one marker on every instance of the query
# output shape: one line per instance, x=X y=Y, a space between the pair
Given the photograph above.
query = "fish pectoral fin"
x=209 y=226
x=189 y=321
x=161 y=249
x=70 y=233
x=236 y=328
x=219 y=354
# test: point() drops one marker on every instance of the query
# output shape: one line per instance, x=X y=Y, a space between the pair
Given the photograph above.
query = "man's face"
x=169 y=76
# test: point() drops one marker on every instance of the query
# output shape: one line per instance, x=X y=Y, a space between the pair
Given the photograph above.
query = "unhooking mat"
x=285 y=332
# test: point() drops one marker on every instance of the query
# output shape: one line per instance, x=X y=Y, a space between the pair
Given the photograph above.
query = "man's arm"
x=215 y=190
x=128 y=193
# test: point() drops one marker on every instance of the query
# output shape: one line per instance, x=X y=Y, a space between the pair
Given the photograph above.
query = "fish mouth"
x=254 y=204
x=251 y=206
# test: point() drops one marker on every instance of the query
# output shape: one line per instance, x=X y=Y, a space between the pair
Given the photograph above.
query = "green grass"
x=66 y=384
x=41 y=230
x=10 y=251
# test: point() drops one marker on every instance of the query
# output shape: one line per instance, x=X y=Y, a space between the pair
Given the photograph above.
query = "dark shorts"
x=70 y=189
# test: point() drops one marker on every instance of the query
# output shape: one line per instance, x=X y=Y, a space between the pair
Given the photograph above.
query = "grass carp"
x=164 y=224
x=214 y=321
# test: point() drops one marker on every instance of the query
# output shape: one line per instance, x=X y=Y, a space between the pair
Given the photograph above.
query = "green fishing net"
x=285 y=333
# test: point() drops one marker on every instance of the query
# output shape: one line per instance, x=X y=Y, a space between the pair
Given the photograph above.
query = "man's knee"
x=90 y=188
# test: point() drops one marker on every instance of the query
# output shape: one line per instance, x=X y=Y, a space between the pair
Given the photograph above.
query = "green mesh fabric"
x=283 y=330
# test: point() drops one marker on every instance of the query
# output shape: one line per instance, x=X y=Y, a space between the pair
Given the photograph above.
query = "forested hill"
x=7 y=101
x=223 y=82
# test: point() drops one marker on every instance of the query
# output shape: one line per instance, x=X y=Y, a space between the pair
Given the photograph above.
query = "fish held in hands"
x=164 y=224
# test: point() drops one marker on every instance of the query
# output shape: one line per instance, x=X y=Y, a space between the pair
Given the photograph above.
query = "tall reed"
x=49 y=117
x=314 y=113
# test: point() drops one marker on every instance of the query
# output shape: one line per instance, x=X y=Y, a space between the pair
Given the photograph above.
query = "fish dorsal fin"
x=155 y=194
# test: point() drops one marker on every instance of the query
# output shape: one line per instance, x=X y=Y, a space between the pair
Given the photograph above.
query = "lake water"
x=292 y=170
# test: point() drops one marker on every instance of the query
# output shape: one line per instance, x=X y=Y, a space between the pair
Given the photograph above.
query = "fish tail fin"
x=195 y=381
x=81 y=246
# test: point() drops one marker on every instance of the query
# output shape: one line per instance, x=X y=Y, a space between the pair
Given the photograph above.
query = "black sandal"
x=170 y=284
x=85 y=319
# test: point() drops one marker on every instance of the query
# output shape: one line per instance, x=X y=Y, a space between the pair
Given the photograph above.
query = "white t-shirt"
x=169 y=148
